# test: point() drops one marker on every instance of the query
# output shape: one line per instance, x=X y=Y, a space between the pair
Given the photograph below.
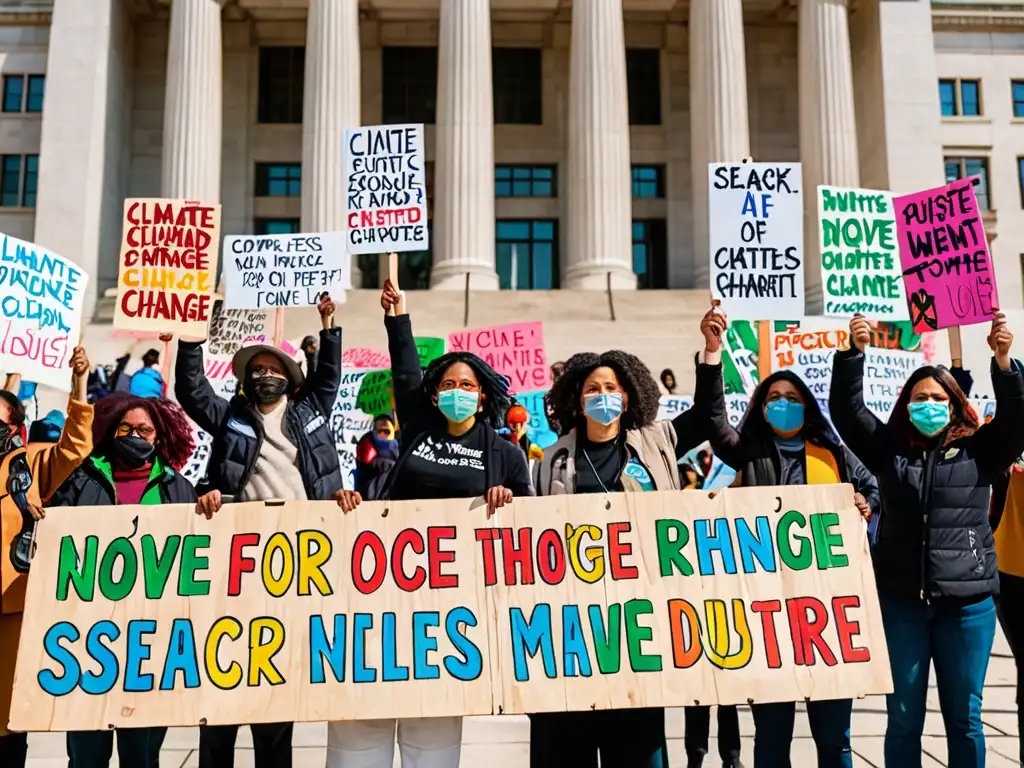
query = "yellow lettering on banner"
x=310 y=563
x=229 y=678
x=594 y=554
x=261 y=655
x=279 y=585
x=719 y=639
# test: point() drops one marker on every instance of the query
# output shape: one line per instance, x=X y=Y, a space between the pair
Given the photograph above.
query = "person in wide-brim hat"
x=242 y=361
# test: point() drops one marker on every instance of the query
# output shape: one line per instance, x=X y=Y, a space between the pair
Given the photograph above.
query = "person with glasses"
x=140 y=444
x=784 y=439
x=449 y=449
x=29 y=476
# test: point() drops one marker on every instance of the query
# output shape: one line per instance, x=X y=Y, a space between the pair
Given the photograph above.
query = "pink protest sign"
x=365 y=357
x=947 y=268
x=515 y=350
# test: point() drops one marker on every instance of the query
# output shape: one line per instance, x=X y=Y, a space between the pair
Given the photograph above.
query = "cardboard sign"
x=168 y=266
x=429 y=349
x=860 y=263
x=41 y=300
x=756 y=239
x=947 y=267
x=516 y=351
x=375 y=393
x=365 y=357
x=285 y=270
x=232 y=329
x=387 y=190
x=294 y=612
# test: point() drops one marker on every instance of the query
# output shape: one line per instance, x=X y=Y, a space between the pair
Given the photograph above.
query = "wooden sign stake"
x=278 y=327
x=956 y=351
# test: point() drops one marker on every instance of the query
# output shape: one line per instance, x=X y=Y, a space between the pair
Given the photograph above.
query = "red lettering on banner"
x=848 y=629
x=240 y=563
x=806 y=631
x=437 y=557
x=767 y=609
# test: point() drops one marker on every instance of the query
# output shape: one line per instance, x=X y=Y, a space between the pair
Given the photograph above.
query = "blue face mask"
x=604 y=409
x=785 y=416
x=929 y=417
x=457 y=405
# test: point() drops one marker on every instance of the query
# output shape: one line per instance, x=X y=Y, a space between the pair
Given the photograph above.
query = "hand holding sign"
x=1000 y=340
x=390 y=297
x=80 y=362
x=326 y=308
x=713 y=326
x=860 y=332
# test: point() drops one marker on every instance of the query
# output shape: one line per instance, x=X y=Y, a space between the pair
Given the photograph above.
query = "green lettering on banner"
x=119 y=549
x=635 y=634
x=157 y=568
x=188 y=584
x=375 y=392
x=79 y=572
x=672 y=536
x=429 y=349
x=795 y=561
x=607 y=637
x=825 y=540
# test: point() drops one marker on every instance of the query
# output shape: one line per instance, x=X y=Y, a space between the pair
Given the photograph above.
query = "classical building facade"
x=566 y=140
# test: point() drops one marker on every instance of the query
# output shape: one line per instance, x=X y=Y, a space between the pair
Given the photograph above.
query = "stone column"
x=828 y=125
x=193 y=110
x=599 y=183
x=464 y=169
x=719 y=124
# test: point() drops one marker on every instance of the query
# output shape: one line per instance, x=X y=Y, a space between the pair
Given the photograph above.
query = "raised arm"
x=323 y=379
x=859 y=428
x=53 y=465
x=406 y=374
x=193 y=390
x=1000 y=442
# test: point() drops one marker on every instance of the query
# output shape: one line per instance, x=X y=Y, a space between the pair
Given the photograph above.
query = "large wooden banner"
x=143 y=616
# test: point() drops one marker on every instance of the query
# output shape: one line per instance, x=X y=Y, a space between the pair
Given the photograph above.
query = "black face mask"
x=267 y=390
x=134 y=452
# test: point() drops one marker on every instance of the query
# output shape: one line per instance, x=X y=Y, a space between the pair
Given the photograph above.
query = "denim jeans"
x=625 y=738
x=958 y=640
x=136 y=747
x=830 y=727
x=425 y=742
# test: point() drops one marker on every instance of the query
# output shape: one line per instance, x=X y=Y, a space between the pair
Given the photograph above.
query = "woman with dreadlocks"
x=607 y=405
x=139 y=446
x=449 y=449
x=784 y=439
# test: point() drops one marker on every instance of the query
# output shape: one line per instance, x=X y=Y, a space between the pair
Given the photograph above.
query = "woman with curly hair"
x=784 y=439
x=139 y=444
x=607 y=405
x=449 y=449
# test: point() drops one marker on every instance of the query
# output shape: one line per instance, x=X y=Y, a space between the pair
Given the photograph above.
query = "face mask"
x=267 y=390
x=134 y=452
x=604 y=409
x=929 y=417
x=785 y=416
x=458 y=405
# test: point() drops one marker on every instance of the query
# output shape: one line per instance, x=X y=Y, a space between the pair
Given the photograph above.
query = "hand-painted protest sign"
x=168 y=266
x=232 y=329
x=538 y=428
x=756 y=241
x=428 y=608
x=347 y=460
x=515 y=350
x=946 y=263
x=365 y=357
x=670 y=406
x=262 y=271
x=860 y=263
x=41 y=300
x=740 y=349
x=429 y=349
x=348 y=421
x=387 y=191
x=375 y=393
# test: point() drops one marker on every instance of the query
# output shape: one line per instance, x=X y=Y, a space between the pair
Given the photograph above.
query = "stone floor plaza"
x=504 y=742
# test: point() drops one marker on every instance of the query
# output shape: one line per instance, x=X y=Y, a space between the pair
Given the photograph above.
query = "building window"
x=281 y=79
x=14 y=92
x=524 y=181
x=413 y=268
x=966 y=167
x=649 y=251
x=409 y=77
x=36 y=90
x=643 y=83
x=517 y=85
x=19 y=175
x=1017 y=87
x=648 y=181
x=276 y=226
x=960 y=98
x=1020 y=178
x=527 y=254
x=19 y=99
x=278 y=180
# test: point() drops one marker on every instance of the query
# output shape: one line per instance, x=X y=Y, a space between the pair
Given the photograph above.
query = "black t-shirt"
x=599 y=465
x=443 y=467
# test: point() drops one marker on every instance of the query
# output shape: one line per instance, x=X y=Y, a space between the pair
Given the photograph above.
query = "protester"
x=147 y=381
x=376 y=454
x=47 y=429
x=784 y=439
x=451 y=409
x=99 y=383
x=689 y=477
x=28 y=477
x=557 y=369
x=934 y=557
x=668 y=381
x=1008 y=500
x=309 y=349
x=516 y=422
x=139 y=446
x=608 y=403
x=272 y=442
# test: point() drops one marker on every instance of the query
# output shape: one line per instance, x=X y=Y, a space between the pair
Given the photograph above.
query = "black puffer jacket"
x=238 y=430
x=92 y=485
x=934 y=538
